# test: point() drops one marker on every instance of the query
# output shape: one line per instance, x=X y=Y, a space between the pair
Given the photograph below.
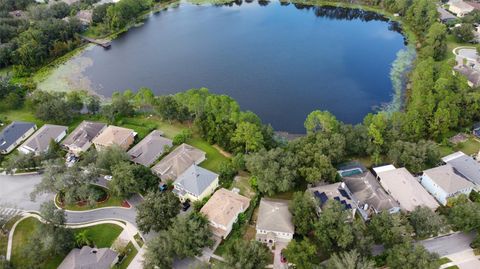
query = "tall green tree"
x=157 y=211
x=303 y=209
x=323 y=121
x=411 y=256
x=427 y=223
x=349 y=260
x=246 y=255
x=248 y=136
x=301 y=253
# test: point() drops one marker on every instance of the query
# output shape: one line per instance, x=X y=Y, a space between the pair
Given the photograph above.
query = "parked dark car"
x=163 y=187
x=185 y=206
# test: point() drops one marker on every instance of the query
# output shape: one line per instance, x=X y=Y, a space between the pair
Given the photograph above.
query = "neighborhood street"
x=15 y=194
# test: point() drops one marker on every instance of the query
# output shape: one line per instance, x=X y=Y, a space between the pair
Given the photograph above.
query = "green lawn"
x=243 y=184
x=444 y=260
x=102 y=235
x=139 y=239
x=214 y=157
x=469 y=147
x=131 y=253
x=4 y=237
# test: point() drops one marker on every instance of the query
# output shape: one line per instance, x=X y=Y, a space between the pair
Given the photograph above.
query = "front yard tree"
x=246 y=255
x=390 y=229
x=146 y=180
x=123 y=182
x=303 y=209
x=191 y=233
x=427 y=223
x=52 y=215
x=160 y=253
x=411 y=256
x=349 y=260
x=301 y=253
x=157 y=211
x=464 y=215
x=109 y=157
x=464 y=33
x=186 y=237
x=332 y=230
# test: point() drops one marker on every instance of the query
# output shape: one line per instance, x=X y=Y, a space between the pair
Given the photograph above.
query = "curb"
x=89 y=210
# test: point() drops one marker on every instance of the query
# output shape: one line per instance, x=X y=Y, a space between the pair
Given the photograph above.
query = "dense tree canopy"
x=157 y=211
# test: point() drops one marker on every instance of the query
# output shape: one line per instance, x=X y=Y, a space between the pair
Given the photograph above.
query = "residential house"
x=459 y=7
x=404 y=188
x=367 y=194
x=445 y=16
x=476 y=130
x=465 y=165
x=274 y=222
x=40 y=140
x=222 y=210
x=81 y=138
x=333 y=192
x=195 y=184
x=114 y=135
x=14 y=134
x=85 y=17
x=89 y=258
x=444 y=182
x=179 y=160
x=147 y=151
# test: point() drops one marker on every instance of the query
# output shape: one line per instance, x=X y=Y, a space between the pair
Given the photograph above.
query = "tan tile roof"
x=223 y=207
x=178 y=161
x=406 y=189
x=113 y=135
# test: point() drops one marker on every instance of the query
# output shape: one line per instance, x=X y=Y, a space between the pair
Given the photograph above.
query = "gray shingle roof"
x=448 y=178
x=367 y=190
x=273 y=215
x=465 y=165
x=83 y=134
x=177 y=161
x=195 y=179
x=89 y=258
x=13 y=132
x=40 y=140
x=147 y=151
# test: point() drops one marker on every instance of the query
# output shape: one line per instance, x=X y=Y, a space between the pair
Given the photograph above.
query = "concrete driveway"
x=15 y=192
x=277 y=263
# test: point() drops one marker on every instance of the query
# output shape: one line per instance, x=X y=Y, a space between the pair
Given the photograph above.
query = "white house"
x=222 y=211
x=404 y=188
x=445 y=182
x=274 y=223
x=195 y=184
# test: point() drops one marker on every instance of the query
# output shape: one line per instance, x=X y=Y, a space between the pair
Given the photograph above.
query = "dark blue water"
x=280 y=62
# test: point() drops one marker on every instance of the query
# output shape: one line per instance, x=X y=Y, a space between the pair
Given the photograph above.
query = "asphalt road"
x=450 y=244
x=15 y=192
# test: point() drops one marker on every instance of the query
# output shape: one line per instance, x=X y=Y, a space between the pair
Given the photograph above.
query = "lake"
x=279 y=61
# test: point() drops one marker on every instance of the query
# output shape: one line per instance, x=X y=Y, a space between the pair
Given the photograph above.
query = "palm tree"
x=349 y=260
x=82 y=238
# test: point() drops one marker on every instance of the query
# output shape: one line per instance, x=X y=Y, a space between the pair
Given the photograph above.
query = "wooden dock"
x=103 y=43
